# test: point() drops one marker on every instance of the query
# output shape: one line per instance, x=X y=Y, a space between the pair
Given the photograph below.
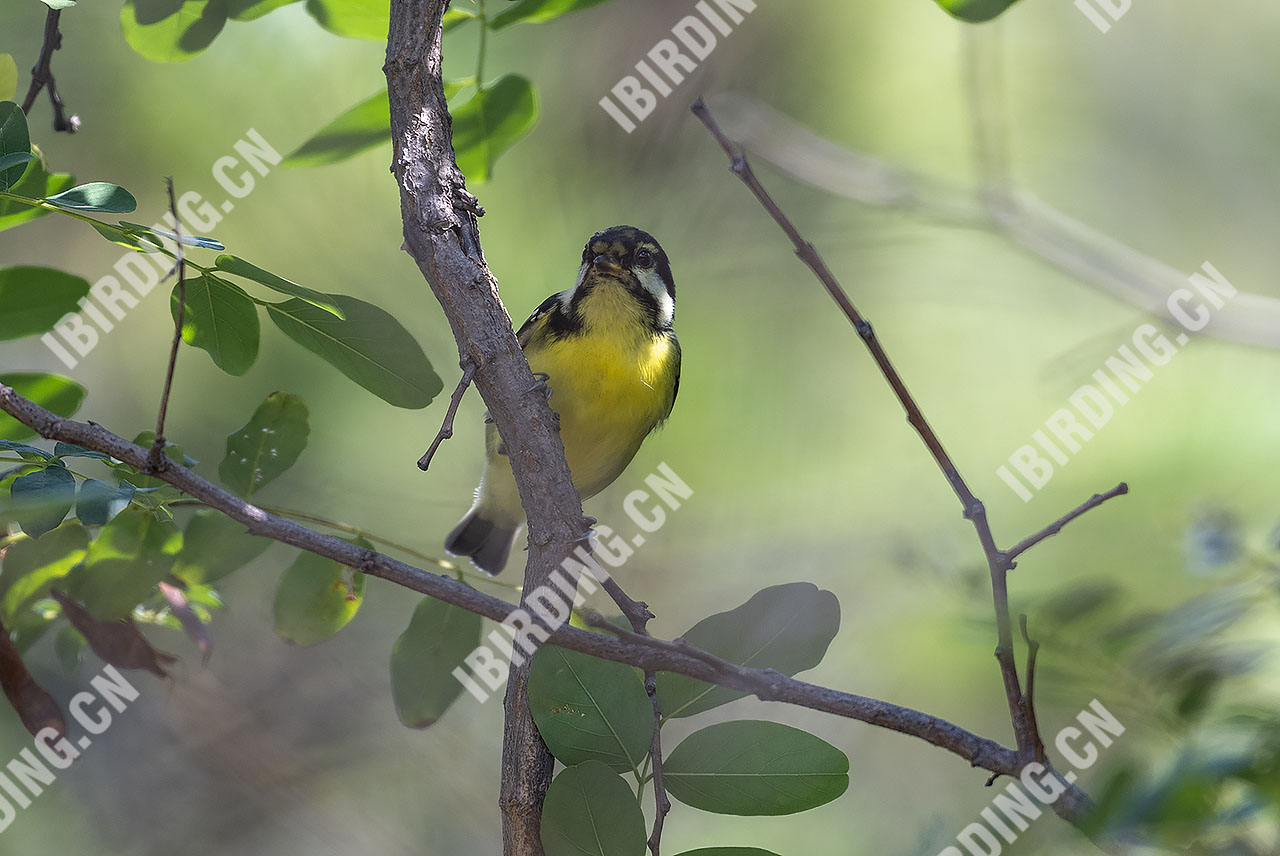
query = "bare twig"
x=1056 y=526
x=446 y=427
x=1029 y=697
x=158 y=458
x=42 y=76
x=1022 y=715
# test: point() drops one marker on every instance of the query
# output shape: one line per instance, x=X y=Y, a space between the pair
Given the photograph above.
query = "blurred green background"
x=1160 y=134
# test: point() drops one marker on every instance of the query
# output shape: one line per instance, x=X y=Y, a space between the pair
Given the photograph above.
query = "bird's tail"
x=486 y=542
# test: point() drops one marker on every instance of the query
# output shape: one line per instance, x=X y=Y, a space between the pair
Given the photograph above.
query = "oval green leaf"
x=130 y=555
x=588 y=709
x=316 y=598
x=267 y=445
x=98 y=502
x=29 y=453
x=370 y=347
x=364 y=126
x=786 y=627
x=42 y=499
x=15 y=158
x=491 y=122
x=590 y=811
x=171 y=30
x=728 y=851
x=975 y=11
x=53 y=392
x=32 y=565
x=440 y=635
x=96 y=196
x=213 y=546
x=36 y=183
x=35 y=298
x=221 y=320
x=13 y=138
x=755 y=768
x=249 y=10
x=533 y=11
x=356 y=19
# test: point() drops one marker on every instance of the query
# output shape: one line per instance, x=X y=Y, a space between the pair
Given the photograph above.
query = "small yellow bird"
x=607 y=349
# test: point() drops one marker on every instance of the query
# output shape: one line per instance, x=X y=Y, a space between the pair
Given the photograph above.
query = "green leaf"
x=249 y=10
x=755 y=768
x=69 y=647
x=370 y=347
x=8 y=77
x=35 y=298
x=13 y=138
x=221 y=319
x=59 y=4
x=30 y=453
x=364 y=126
x=728 y=851
x=267 y=445
x=100 y=502
x=36 y=183
x=15 y=158
x=356 y=19
x=975 y=11
x=440 y=635
x=32 y=565
x=130 y=555
x=239 y=267
x=590 y=811
x=152 y=235
x=452 y=19
x=96 y=196
x=492 y=121
x=533 y=11
x=53 y=392
x=42 y=499
x=316 y=598
x=70 y=450
x=171 y=30
x=589 y=709
x=213 y=546
x=786 y=627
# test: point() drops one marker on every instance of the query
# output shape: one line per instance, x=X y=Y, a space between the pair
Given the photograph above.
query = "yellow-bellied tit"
x=611 y=362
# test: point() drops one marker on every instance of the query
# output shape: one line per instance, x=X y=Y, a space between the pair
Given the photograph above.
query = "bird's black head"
x=634 y=257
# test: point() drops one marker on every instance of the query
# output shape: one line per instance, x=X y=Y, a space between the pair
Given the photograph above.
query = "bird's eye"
x=644 y=258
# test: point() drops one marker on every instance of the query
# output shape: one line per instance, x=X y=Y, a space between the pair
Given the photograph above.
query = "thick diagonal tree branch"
x=441 y=235
x=643 y=652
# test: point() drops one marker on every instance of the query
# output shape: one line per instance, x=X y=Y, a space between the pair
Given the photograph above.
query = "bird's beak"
x=606 y=265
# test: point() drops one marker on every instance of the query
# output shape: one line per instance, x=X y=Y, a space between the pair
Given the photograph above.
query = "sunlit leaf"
x=32 y=565
x=975 y=11
x=265 y=447
x=440 y=635
x=728 y=851
x=755 y=768
x=13 y=138
x=249 y=10
x=35 y=298
x=357 y=19
x=239 y=267
x=130 y=555
x=214 y=545
x=316 y=598
x=152 y=235
x=590 y=709
x=370 y=347
x=36 y=183
x=42 y=499
x=533 y=11
x=220 y=319
x=59 y=4
x=490 y=123
x=96 y=196
x=8 y=77
x=591 y=811
x=364 y=126
x=53 y=392
x=785 y=627
x=172 y=30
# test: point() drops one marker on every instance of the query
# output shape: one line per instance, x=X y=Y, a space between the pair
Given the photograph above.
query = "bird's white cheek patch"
x=655 y=286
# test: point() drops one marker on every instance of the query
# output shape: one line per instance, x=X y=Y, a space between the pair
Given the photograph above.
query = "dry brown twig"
x=42 y=76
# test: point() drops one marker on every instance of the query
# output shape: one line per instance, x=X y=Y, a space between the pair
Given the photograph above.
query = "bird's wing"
x=538 y=320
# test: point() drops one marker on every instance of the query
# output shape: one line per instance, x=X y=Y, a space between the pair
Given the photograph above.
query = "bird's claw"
x=541 y=383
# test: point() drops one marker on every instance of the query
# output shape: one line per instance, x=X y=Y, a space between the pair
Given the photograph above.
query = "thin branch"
x=1029 y=697
x=622 y=646
x=158 y=459
x=1056 y=526
x=446 y=428
x=42 y=76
